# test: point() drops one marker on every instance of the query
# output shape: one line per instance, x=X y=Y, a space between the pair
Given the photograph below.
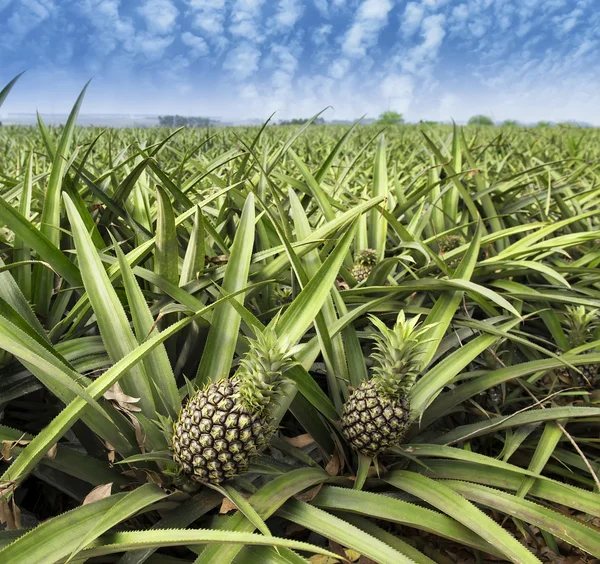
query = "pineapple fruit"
x=364 y=262
x=448 y=243
x=581 y=325
x=376 y=415
x=226 y=424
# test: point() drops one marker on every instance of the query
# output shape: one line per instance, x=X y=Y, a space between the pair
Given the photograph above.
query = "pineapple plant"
x=364 y=262
x=581 y=325
x=226 y=424
x=376 y=415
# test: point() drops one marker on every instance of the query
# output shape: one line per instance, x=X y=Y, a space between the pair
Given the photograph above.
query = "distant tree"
x=544 y=124
x=390 y=118
x=510 y=123
x=481 y=120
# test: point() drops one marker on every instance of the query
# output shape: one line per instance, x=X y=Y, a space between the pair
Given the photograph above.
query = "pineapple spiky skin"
x=448 y=243
x=215 y=436
x=372 y=423
x=590 y=374
x=364 y=263
x=226 y=424
x=377 y=414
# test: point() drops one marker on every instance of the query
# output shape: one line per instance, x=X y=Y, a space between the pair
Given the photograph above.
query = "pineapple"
x=226 y=424
x=364 y=262
x=581 y=325
x=448 y=243
x=376 y=415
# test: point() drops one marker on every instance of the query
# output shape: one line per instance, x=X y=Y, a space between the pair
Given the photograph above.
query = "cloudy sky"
x=429 y=59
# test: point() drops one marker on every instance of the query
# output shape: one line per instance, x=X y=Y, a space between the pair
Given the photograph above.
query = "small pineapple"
x=448 y=243
x=377 y=413
x=581 y=325
x=364 y=263
x=226 y=424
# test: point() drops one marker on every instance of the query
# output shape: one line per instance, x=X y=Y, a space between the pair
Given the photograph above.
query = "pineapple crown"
x=581 y=325
x=261 y=369
x=366 y=257
x=396 y=355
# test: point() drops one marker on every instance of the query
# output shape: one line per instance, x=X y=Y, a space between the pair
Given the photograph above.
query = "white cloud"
x=285 y=65
x=323 y=7
x=370 y=19
x=460 y=13
x=245 y=22
x=432 y=32
x=397 y=91
x=339 y=68
x=160 y=15
x=242 y=61
x=287 y=15
x=198 y=47
x=111 y=28
x=567 y=22
x=28 y=15
x=434 y=4
x=320 y=35
x=151 y=46
x=412 y=18
x=208 y=15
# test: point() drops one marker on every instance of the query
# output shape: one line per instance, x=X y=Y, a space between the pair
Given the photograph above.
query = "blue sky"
x=429 y=59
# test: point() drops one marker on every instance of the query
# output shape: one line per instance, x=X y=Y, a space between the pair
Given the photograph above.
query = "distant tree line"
x=188 y=121
x=301 y=121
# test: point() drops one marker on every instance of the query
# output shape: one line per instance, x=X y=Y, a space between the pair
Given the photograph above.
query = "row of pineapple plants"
x=275 y=344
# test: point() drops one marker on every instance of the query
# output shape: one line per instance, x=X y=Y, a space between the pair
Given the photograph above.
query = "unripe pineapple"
x=580 y=325
x=377 y=413
x=448 y=243
x=364 y=262
x=226 y=424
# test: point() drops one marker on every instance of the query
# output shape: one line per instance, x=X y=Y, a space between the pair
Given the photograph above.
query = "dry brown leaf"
x=119 y=397
x=227 y=506
x=98 y=493
x=52 y=452
x=111 y=452
x=333 y=466
x=300 y=441
x=322 y=559
x=140 y=435
x=10 y=514
x=308 y=495
x=7 y=447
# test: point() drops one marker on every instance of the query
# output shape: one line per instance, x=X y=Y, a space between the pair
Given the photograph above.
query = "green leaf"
x=126 y=507
x=50 y=220
x=572 y=531
x=4 y=92
x=377 y=229
x=342 y=532
x=193 y=263
x=459 y=508
x=157 y=363
x=112 y=321
x=223 y=335
x=376 y=506
x=166 y=251
x=296 y=319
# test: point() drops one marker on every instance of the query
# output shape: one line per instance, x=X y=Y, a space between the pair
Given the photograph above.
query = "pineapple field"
x=309 y=343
